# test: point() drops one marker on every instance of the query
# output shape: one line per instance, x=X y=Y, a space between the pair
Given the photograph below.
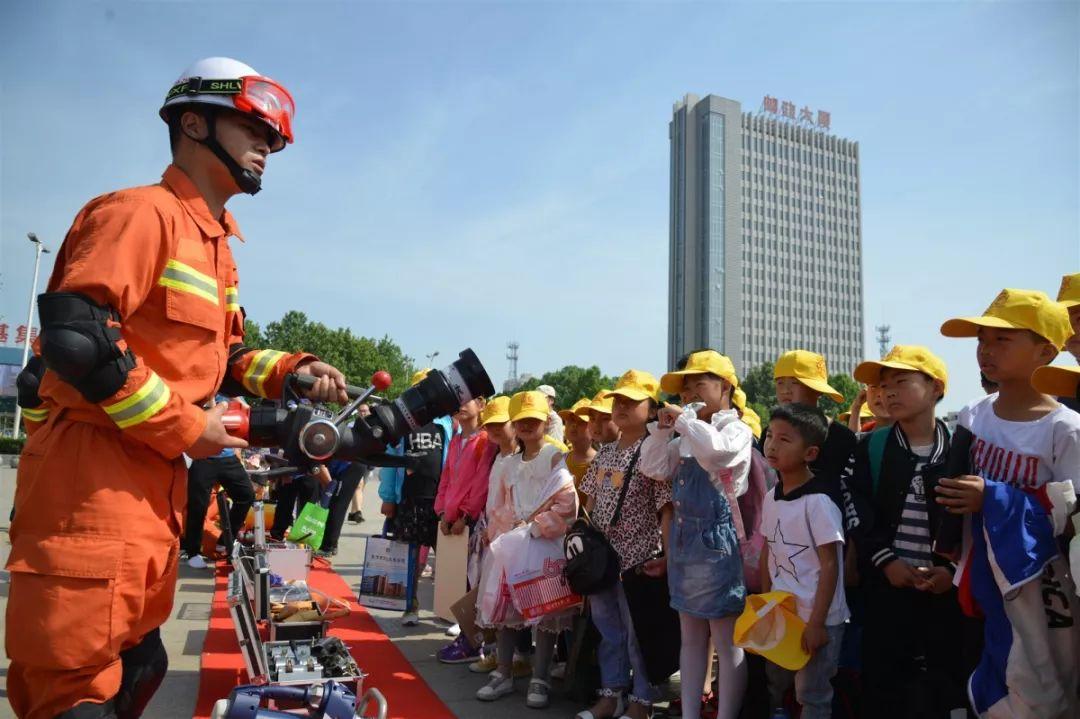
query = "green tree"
x=571 y=383
x=846 y=386
x=760 y=388
x=357 y=357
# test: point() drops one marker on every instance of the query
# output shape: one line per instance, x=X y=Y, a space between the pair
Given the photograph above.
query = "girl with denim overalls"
x=707 y=465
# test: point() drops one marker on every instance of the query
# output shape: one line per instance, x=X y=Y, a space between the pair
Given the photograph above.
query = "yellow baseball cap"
x=706 y=361
x=497 y=410
x=1055 y=380
x=809 y=368
x=637 y=385
x=581 y=405
x=751 y=419
x=907 y=357
x=529 y=405
x=1069 y=294
x=600 y=402
x=864 y=413
x=770 y=626
x=418 y=376
x=1018 y=310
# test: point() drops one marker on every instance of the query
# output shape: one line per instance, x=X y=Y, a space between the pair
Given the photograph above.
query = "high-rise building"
x=765 y=234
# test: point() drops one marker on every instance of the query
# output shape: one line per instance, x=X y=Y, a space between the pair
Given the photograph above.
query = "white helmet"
x=224 y=82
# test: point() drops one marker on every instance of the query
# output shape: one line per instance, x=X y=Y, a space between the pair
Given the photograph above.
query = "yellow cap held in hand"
x=1069 y=294
x=637 y=385
x=809 y=369
x=903 y=357
x=1058 y=381
x=1018 y=310
x=582 y=405
x=704 y=362
x=529 y=405
x=497 y=410
x=770 y=626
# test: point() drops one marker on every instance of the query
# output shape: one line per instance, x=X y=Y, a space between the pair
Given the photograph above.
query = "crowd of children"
x=933 y=564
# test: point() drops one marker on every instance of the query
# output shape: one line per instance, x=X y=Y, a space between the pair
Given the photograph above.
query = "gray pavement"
x=183 y=634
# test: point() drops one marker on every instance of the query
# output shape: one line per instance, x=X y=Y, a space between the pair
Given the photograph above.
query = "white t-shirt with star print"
x=794 y=527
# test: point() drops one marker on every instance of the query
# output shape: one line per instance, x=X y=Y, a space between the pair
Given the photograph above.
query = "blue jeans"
x=619 y=652
x=813 y=683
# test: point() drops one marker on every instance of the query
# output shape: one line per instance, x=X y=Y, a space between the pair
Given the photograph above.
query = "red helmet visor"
x=269 y=101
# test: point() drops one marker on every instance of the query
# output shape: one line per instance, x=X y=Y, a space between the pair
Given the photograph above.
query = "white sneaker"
x=537 y=696
x=410 y=619
x=453 y=631
x=196 y=561
x=497 y=688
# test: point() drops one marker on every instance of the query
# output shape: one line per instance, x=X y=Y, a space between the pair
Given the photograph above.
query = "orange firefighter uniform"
x=101 y=487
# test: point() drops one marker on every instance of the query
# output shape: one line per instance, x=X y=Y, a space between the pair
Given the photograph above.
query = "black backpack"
x=592 y=564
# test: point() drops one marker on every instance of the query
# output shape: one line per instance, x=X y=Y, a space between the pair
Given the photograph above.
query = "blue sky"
x=470 y=173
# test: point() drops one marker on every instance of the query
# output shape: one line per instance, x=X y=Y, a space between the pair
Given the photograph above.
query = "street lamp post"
x=39 y=249
x=431 y=357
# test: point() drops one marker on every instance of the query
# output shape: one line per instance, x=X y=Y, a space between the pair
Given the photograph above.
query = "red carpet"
x=408 y=696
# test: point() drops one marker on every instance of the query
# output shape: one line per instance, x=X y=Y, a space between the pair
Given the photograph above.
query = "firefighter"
x=141 y=326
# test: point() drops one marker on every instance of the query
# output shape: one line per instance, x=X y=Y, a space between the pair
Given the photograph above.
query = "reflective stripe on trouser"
x=93 y=567
x=259 y=370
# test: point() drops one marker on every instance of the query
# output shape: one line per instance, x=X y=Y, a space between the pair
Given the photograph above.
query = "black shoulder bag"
x=592 y=564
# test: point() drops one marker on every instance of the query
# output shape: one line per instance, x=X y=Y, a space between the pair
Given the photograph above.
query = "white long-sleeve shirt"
x=721 y=446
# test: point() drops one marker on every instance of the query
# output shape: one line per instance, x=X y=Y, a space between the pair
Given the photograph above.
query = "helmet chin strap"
x=246 y=180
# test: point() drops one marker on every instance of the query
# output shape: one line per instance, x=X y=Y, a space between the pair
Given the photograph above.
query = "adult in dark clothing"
x=292 y=495
x=347 y=476
x=226 y=470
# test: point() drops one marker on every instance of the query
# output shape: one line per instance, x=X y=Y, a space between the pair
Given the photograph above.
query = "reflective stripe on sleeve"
x=262 y=364
x=185 y=278
x=141 y=405
x=232 y=299
x=36 y=415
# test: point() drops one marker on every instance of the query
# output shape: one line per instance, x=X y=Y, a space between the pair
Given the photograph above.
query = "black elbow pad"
x=28 y=381
x=78 y=344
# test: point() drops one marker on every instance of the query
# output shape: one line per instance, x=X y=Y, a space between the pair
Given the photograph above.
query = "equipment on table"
x=322 y=701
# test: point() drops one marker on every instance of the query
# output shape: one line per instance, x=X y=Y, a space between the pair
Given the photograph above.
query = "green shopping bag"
x=310 y=526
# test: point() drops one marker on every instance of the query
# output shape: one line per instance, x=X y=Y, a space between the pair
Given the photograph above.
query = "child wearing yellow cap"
x=602 y=430
x=538 y=492
x=802 y=376
x=707 y=467
x=635 y=534
x=913 y=633
x=1018 y=493
x=868 y=411
x=576 y=433
x=1069 y=296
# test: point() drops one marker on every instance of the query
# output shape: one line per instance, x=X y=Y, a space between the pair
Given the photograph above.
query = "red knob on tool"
x=237 y=419
x=381 y=380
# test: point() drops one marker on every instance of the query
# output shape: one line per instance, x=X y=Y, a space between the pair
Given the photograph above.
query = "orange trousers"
x=94 y=554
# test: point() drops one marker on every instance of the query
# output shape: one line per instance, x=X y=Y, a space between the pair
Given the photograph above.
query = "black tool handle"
x=306 y=381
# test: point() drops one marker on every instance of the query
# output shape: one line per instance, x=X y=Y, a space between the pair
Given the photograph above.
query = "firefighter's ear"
x=193 y=124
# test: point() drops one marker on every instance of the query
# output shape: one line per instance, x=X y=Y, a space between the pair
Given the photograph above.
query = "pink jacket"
x=463 y=486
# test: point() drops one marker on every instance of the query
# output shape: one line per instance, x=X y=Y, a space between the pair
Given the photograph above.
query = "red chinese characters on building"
x=20 y=334
x=3 y=334
x=805 y=115
x=823 y=119
x=787 y=109
x=770 y=104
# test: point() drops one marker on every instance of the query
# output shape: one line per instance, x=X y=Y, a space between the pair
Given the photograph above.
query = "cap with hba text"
x=582 y=405
x=418 y=376
x=704 y=362
x=528 y=405
x=600 y=403
x=637 y=385
x=903 y=357
x=1055 y=380
x=1017 y=310
x=1069 y=293
x=497 y=410
x=809 y=369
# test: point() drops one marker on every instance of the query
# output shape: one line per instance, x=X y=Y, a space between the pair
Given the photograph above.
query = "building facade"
x=765 y=235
